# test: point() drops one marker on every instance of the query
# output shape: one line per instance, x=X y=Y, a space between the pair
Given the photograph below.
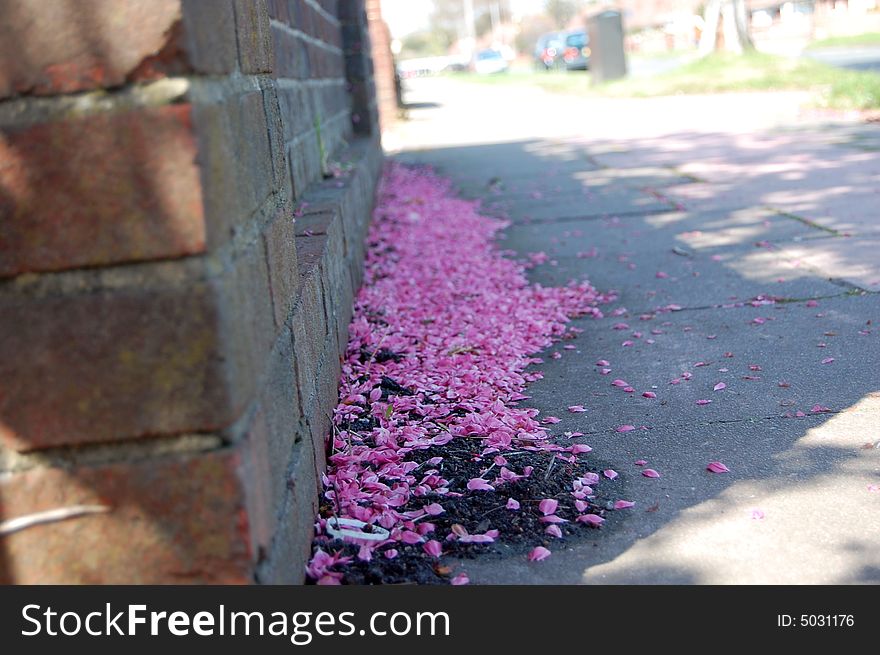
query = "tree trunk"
x=731 y=16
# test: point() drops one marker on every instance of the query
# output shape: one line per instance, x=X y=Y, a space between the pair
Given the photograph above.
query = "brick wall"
x=185 y=187
x=383 y=65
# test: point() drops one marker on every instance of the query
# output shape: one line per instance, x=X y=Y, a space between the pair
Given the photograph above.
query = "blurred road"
x=741 y=233
x=854 y=58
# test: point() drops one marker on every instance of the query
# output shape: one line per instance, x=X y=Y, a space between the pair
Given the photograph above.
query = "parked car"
x=489 y=62
x=548 y=50
x=576 y=53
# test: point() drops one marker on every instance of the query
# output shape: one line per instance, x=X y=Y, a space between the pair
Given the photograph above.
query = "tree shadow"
x=795 y=479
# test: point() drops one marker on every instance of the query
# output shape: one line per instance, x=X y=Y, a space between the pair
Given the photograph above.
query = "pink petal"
x=625 y=428
x=827 y=360
x=409 y=537
x=479 y=484
x=819 y=409
x=649 y=394
x=460 y=579
x=593 y=520
x=620 y=383
x=610 y=473
x=873 y=487
x=719 y=386
x=551 y=420
x=512 y=503
x=623 y=504
x=579 y=448
x=757 y=514
x=650 y=473
x=433 y=548
x=717 y=467
x=603 y=362
x=640 y=462
x=548 y=506
x=576 y=409
x=553 y=519
x=539 y=553
x=812 y=303
x=391 y=553
x=703 y=402
x=434 y=509
x=581 y=506
x=553 y=531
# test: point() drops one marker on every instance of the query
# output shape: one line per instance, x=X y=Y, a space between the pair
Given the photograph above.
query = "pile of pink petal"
x=457 y=325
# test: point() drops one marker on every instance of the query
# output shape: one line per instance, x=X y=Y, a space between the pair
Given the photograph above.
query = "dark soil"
x=477 y=512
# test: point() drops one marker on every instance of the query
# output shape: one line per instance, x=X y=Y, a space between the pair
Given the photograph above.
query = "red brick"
x=72 y=45
x=97 y=366
x=63 y=46
x=100 y=189
x=172 y=520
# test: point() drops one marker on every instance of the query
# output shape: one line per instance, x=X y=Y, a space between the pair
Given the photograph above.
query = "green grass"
x=721 y=73
x=868 y=38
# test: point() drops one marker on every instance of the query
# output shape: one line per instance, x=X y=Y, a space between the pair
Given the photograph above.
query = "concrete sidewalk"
x=697 y=213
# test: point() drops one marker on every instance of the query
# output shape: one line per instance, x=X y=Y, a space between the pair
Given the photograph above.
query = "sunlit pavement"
x=697 y=205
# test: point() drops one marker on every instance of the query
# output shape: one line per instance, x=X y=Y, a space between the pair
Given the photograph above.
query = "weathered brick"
x=283 y=267
x=309 y=325
x=254 y=40
x=179 y=347
x=270 y=445
x=64 y=46
x=247 y=322
x=209 y=36
x=293 y=536
x=235 y=159
x=93 y=365
x=99 y=189
x=174 y=519
x=291 y=54
x=297 y=112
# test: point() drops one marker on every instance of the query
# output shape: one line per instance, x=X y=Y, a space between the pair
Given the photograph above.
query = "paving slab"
x=735 y=213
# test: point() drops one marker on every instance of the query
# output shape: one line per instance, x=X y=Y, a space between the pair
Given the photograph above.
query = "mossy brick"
x=176 y=519
x=65 y=46
x=100 y=189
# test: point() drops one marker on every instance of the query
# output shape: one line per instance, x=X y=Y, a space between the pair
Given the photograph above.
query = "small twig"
x=549 y=467
x=49 y=516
